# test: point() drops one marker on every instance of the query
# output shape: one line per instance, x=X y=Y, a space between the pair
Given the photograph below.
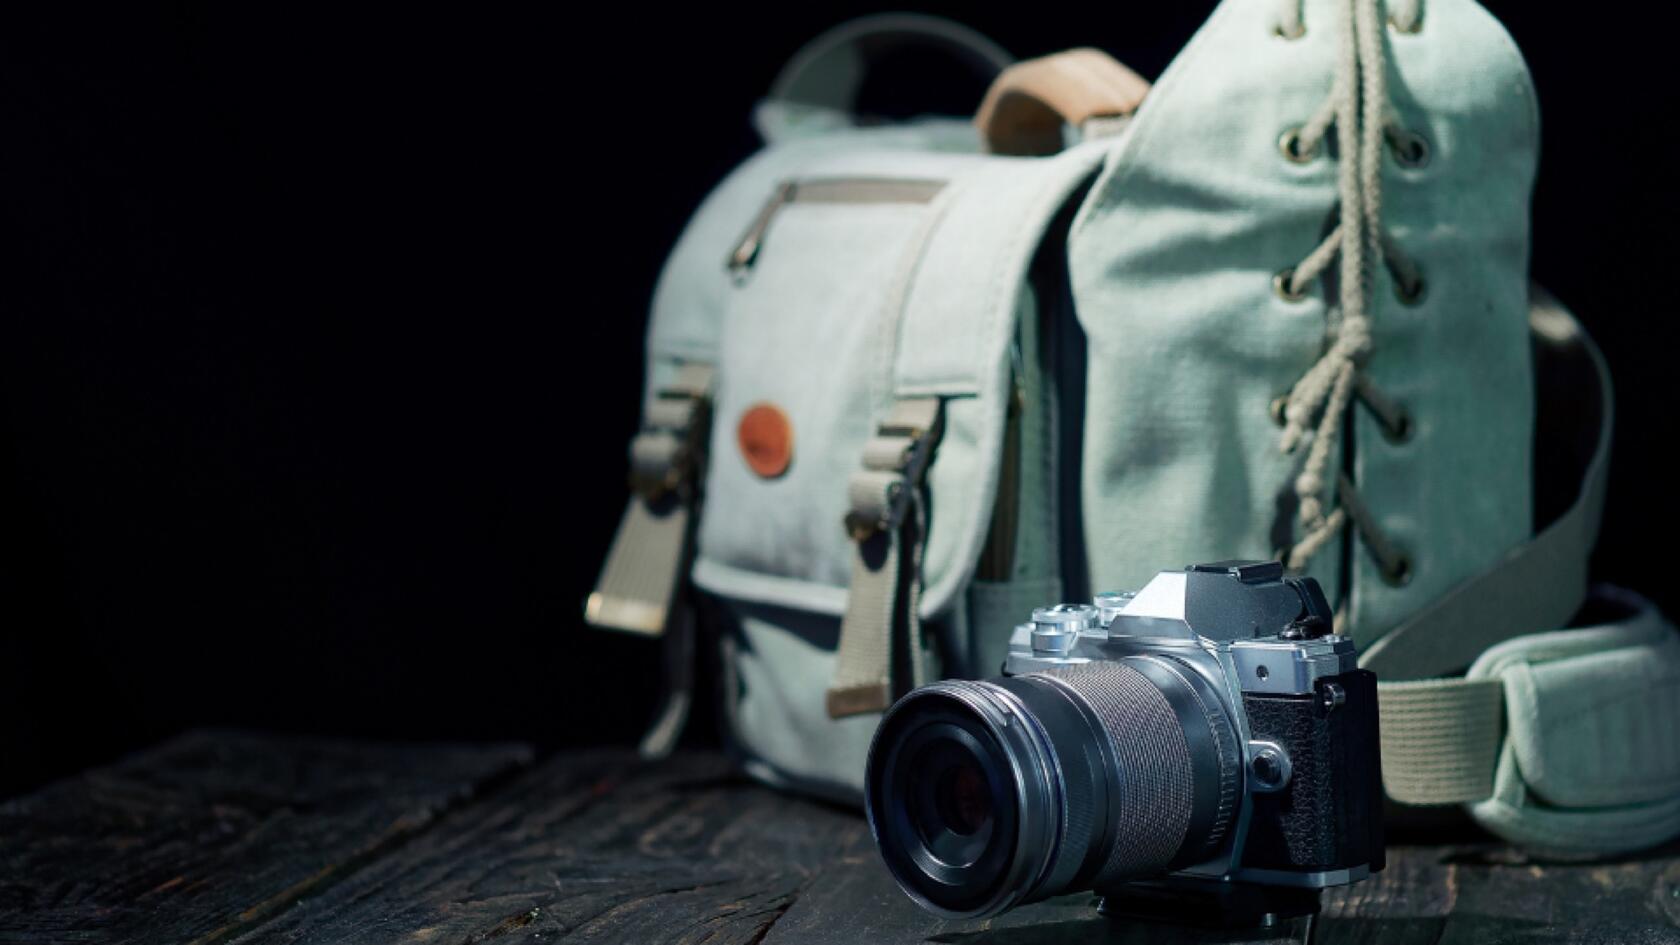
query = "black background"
x=322 y=338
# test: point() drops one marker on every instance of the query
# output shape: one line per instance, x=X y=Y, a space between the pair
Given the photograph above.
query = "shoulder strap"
x=1542 y=582
x=1441 y=736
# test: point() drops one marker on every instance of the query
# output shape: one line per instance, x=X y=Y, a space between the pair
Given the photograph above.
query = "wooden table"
x=228 y=837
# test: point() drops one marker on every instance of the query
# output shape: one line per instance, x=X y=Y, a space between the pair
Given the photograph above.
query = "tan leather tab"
x=858 y=700
x=1029 y=102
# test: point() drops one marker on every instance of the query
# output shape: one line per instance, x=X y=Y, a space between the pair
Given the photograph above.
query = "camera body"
x=1204 y=748
x=1304 y=713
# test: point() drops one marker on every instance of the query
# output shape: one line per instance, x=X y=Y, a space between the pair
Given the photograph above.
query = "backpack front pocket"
x=804 y=363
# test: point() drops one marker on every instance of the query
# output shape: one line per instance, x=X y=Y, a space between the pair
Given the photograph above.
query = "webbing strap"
x=645 y=564
x=886 y=524
x=1441 y=737
x=639 y=578
x=883 y=596
x=641 y=587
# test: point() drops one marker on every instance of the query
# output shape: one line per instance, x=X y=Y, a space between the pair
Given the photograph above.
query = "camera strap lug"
x=643 y=587
x=886 y=523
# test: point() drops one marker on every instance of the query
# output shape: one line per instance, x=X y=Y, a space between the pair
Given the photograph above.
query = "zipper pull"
x=746 y=251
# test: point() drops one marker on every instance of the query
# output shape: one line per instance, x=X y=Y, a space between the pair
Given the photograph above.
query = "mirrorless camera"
x=1202 y=749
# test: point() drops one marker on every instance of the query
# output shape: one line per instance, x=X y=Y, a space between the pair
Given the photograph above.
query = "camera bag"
x=907 y=382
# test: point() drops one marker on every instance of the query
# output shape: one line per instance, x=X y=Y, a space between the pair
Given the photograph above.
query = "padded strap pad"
x=1591 y=759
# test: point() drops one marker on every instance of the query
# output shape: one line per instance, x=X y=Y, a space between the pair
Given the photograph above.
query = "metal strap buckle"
x=895 y=463
x=669 y=449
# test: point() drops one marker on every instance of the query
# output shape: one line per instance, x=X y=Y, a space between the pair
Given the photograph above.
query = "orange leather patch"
x=766 y=439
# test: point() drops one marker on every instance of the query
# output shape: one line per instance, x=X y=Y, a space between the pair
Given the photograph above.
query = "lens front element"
x=957 y=795
x=962 y=799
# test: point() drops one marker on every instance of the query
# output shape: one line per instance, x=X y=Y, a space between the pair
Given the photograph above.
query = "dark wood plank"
x=223 y=837
x=856 y=901
x=210 y=833
x=1487 y=892
x=600 y=848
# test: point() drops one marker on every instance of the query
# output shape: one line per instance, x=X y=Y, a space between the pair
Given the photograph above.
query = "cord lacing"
x=1320 y=398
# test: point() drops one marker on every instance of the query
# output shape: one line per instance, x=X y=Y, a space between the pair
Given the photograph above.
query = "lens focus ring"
x=1153 y=764
x=1175 y=773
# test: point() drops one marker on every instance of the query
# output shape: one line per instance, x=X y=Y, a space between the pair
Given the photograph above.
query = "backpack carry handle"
x=1029 y=102
x=828 y=72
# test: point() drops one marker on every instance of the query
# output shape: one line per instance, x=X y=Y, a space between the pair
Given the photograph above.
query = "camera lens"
x=984 y=795
x=957 y=795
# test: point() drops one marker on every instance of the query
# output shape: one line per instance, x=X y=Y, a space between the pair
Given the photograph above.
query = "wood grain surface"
x=236 y=838
x=208 y=834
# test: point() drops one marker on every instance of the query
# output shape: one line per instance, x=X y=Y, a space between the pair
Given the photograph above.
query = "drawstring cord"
x=1358 y=109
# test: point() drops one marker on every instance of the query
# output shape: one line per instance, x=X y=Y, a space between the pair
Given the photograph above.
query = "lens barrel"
x=985 y=795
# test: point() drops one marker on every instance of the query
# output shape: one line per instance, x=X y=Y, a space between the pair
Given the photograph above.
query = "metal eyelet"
x=1410 y=149
x=1281 y=285
x=1413 y=29
x=1399 y=572
x=1402 y=430
x=1289 y=145
x=1411 y=294
x=1279 y=409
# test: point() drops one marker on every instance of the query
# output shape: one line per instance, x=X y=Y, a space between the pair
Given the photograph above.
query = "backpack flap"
x=1304 y=274
x=836 y=285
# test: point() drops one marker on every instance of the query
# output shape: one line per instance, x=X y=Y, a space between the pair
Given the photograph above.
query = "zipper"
x=853 y=190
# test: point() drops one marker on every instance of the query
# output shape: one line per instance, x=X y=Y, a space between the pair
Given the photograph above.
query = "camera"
x=1204 y=750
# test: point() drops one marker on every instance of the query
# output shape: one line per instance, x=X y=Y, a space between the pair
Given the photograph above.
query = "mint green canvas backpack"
x=908 y=382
